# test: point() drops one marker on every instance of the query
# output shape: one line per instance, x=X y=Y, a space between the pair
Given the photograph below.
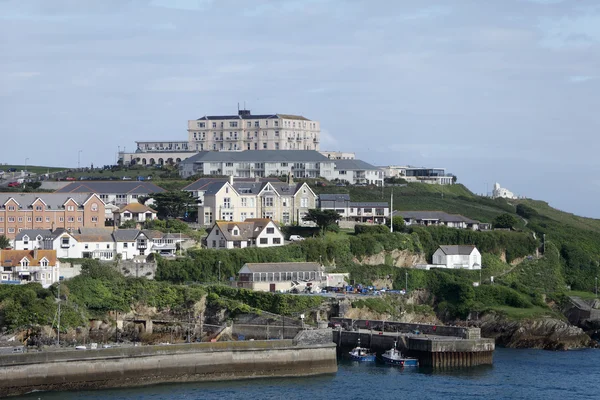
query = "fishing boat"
x=394 y=357
x=361 y=354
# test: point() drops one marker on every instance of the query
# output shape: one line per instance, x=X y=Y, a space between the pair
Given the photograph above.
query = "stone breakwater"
x=306 y=355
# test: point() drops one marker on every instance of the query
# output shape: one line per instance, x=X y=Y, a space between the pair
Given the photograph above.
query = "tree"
x=323 y=218
x=4 y=242
x=505 y=221
x=173 y=204
x=398 y=224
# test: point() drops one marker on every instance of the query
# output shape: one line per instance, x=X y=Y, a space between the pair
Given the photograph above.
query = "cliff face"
x=399 y=258
x=543 y=333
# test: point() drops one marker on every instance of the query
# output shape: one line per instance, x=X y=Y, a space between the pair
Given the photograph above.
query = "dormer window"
x=25 y=240
x=94 y=207
x=38 y=238
x=24 y=263
x=11 y=208
x=39 y=208
x=236 y=232
x=44 y=263
x=70 y=208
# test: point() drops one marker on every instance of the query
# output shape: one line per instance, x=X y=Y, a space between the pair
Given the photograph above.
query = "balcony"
x=142 y=245
x=65 y=245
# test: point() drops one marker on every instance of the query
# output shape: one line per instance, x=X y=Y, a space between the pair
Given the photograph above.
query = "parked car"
x=126 y=178
x=1 y=172
x=296 y=238
x=69 y=178
x=12 y=170
x=13 y=184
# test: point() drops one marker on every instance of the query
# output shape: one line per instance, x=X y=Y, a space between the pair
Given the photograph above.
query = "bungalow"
x=372 y=212
x=257 y=232
x=26 y=266
x=457 y=257
x=279 y=277
x=436 y=218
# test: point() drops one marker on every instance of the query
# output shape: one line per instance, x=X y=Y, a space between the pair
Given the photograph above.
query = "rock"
x=541 y=333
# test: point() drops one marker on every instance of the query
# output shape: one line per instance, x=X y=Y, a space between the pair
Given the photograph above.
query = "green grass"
x=31 y=168
x=525 y=313
x=582 y=294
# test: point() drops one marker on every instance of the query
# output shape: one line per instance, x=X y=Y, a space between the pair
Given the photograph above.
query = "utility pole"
x=58 y=329
x=406 y=287
x=392 y=210
x=79 y=158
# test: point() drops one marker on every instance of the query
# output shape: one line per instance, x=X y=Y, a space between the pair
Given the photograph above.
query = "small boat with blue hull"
x=362 y=354
x=394 y=357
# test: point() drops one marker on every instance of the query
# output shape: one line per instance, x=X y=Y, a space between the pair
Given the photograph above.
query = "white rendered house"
x=457 y=257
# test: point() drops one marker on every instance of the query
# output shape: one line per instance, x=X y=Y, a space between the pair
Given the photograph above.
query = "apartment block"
x=229 y=200
x=20 y=211
x=264 y=163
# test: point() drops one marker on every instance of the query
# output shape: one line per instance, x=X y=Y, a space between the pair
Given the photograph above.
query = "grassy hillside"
x=31 y=168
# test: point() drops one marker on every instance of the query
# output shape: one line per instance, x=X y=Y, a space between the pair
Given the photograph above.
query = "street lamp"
x=79 y=158
x=219 y=271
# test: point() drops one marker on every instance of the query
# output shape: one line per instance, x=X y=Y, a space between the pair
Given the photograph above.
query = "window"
x=70 y=208
x=11 y=219
x=226 y=202
x=207 y=218
x=11 y=208
x=267 y=214
x=284 y=164
x=61 y=219
x=44 y=262
x=264 y=145
x=125 y=245
x=214 y=124
x=229 y=164
x=11 y=230
x=264 y=241
x=236 y=232
x=256 y=124
x=86 y=246
x=276 y=123
x=251 y=203
x=304 y=202
x=268 y=202
x=79 y=219
x=214 y=243
x=47 y=219
x=276 y=146
x=38 y=208
x=20 y=219
x=29 y=219
x=233 y=124
x=70 y=219
x=94 y=207
x=94 y=219
x=270 y=231
x=244 y=202
x=1 y=219
x=284 y=202
x=227 y=216
x=121 y=197
x=201 y=125
x=38 y=219
x=286 y=217
x=221 y=243
x=24 y=263
x=243 y=216
x=276 y=240
x=368 y=210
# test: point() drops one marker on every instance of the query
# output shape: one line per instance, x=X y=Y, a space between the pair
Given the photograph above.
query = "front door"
x=272 y=287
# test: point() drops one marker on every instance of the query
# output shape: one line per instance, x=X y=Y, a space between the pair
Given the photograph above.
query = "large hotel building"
x=243 y=131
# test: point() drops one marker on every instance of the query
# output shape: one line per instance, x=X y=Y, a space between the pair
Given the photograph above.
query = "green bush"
x=360 y=229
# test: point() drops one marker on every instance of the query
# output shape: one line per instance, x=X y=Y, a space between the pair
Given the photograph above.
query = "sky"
x=494 y=91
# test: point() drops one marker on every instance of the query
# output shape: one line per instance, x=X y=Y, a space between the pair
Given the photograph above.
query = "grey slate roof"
x=125 y=235
x=46 y=234
x=463 y=250
x=349 y=165
x=249 y=229
x=282 y=267
x=334 y=197
x=54 y=201
x=434 y=215
x=111 y=187
x=202 y=182
x=259 y=156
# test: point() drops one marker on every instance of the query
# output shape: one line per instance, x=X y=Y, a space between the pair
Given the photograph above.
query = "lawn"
x=582 y=294
x=525 y=313
x=31 y=168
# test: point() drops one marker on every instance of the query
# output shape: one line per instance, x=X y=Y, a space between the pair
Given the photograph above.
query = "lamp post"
x=406 y=286
x=219 y=271
x=79 y=158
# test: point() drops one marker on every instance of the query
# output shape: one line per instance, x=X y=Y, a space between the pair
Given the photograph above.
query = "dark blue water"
x=516 y=374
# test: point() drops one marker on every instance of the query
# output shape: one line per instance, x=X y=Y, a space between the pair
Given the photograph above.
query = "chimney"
x=256 y=179
x=290 y=178
x=231 y=179
x=35 y=253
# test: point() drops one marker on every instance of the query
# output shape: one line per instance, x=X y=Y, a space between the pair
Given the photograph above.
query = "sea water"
x=516 y=374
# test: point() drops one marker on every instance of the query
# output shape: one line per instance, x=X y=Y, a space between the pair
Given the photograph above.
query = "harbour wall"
x=402 y=327
x=308 y=354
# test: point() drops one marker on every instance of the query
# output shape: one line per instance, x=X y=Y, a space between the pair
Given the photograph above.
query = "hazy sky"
x=494 y=90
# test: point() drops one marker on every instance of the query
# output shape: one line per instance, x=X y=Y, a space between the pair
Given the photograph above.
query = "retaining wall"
x=145 y=365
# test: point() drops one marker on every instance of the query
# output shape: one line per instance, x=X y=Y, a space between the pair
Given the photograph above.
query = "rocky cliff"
x=397 y=258
x=541 y=333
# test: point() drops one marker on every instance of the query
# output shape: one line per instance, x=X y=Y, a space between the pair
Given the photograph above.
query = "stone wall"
x=137 y=270
x=146 y=365
x=426 y=329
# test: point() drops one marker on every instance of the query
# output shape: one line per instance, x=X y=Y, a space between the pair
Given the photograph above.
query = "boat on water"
x=394 y=357
x=362 y=354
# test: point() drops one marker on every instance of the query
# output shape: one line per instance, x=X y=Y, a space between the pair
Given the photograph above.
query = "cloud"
x=580 y=78
x=24 y=74
x=187 y=5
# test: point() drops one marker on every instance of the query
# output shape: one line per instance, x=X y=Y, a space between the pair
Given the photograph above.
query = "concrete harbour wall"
x=146 y=365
